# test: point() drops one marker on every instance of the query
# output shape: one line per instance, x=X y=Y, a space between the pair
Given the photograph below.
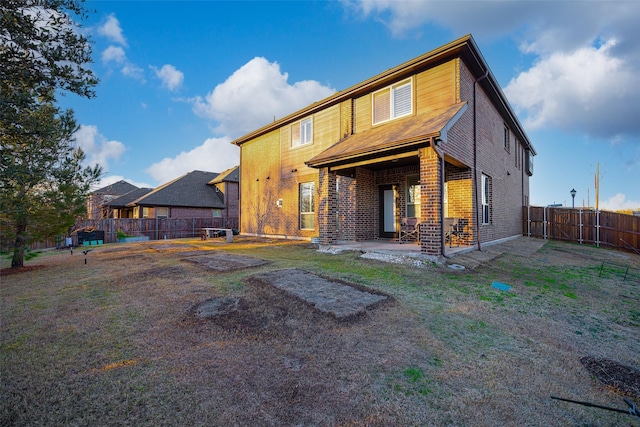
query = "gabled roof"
x=230 y=175
x=464 y=47
x=403 y=135
x=116 y=189
x=189 y=190
x=122 y=201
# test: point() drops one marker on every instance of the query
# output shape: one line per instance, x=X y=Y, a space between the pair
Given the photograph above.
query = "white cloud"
x=133 y=71
x=97 y=148
x=112 y=31
x=170 y=76
x=254 y=95
x=114 y=54
x=214 y=155
x=619 y=202
x=586 y=54
x=587 y=90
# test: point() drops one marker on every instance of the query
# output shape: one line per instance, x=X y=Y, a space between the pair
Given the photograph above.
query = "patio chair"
x=449 y=227
x=460 y=230
x=409 y=230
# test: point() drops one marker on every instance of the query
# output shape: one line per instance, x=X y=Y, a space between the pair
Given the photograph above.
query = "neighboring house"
x=430 y=139
x=97 y=201
x=119 y=206
x=196 y=194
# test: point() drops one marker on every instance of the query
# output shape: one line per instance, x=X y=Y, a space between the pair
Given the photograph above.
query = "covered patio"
x=370 y=183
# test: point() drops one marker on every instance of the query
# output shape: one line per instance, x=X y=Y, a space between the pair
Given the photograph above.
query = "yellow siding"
x=346 y=116
x=326 y=132
x=362 y=113
x=260 y=160
x=436 y=87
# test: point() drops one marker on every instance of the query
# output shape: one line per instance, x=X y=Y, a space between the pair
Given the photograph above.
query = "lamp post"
x=573 y=198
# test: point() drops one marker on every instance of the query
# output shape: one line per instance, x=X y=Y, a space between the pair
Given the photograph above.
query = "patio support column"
x=430 y=202
x=327 y=206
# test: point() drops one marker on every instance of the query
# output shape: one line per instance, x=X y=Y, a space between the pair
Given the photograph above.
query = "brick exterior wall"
x=327 y=205
x=348 y=206
x=430 y=205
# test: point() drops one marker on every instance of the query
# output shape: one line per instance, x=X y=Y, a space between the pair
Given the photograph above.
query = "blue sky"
x=179 y=80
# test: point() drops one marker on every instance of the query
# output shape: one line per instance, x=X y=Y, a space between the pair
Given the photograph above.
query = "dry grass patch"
x=119 y=340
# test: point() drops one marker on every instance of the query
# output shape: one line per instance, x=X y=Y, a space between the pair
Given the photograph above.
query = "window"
x=486 y=198
x=392 y=102
x=301 y=133
x=507 y=143
x=146 y=212
x=413 y=196
x=162 y=213
x=307 y=206
x=217 y=213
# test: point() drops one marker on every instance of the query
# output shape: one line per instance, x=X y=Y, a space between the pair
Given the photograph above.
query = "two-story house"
x=431 y=139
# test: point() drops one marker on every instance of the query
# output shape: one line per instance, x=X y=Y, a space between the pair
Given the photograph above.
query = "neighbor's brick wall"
x=231 y=199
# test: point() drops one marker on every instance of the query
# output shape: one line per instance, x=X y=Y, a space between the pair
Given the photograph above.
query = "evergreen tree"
x=43 y=184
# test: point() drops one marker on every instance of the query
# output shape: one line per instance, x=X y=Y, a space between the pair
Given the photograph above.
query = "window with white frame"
x=393 y=102
x=486 y=199
x=307 y=206
x=302 y=133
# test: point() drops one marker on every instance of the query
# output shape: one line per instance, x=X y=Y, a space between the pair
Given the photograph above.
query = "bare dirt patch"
x=339 y=299
x=622 y=379
x=223 y=262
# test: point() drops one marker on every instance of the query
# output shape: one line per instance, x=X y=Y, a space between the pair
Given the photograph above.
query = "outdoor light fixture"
x=573 y=198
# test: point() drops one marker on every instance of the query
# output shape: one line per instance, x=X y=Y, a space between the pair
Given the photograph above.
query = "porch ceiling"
x=390 y=139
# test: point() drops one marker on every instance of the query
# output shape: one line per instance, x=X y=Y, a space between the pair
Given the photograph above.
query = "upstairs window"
x=393 y=102
x=507 y=142
x=301 y=133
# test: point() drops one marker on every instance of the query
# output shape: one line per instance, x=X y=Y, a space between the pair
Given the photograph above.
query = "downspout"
x=436 y=148
x=475 y=155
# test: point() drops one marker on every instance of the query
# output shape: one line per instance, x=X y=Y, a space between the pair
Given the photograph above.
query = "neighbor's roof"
x=404 y=134
x=464 y=47
x=230 y=175
x=189 y=190
x=116 y=189
x=124 y=200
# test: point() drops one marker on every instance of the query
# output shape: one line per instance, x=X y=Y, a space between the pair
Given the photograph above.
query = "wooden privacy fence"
x=154 y=228
x=584 y=226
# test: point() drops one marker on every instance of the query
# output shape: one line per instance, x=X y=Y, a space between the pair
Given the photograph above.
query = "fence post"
x=580 y=224
x=528 y=221
x=597 y=228
x=544 y=223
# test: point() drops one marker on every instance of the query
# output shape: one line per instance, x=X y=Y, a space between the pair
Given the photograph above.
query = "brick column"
x=327 y=205
x=430 y=206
